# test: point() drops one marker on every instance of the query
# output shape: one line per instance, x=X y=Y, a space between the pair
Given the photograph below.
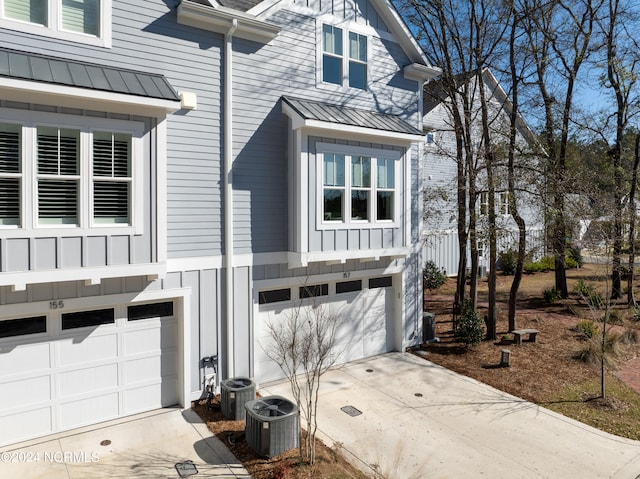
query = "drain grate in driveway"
x=186 y=469
x=351 y=411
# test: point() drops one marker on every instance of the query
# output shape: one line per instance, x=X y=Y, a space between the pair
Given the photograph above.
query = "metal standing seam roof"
x=59 y=71
x=314 y=110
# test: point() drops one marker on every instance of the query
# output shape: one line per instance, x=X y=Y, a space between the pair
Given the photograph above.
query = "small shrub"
x=594 y=299
x=575 y=255
x=612 y=343
x=615 y=317
x=547 y=264
x=570 y=263
x=432 y=277
x=508 y=262
x=591 y=351
x=635 y=313
x=551 y=296
x=582 y=288
x=630 y=336
x=470 y=327
x=587 y=328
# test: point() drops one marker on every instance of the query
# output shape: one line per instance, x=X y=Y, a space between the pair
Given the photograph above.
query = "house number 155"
x=56 y=304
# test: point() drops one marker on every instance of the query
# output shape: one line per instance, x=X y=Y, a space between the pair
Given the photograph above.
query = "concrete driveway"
x=144 y=446
x=419 y=420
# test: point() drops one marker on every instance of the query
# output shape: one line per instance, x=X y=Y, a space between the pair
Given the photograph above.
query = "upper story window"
x=502 y=203
x=484 y=203
x=68 y=175
x=335 y=63
x=503 y=199
x=86 y=21
x=357 y=61
x=358 y=188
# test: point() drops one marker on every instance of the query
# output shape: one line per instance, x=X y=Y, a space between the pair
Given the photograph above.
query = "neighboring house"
x=172 y=173
x=439 y=229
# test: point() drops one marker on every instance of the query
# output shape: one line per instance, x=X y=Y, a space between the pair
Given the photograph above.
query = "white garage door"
x=365 y=318
x=65 y=370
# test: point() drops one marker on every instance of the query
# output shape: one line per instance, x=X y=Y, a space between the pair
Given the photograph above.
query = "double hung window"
x=68 y=175
x=111 y=177
x=335 y=63
x=65 y=18
x=58 y=160
x=358 y=188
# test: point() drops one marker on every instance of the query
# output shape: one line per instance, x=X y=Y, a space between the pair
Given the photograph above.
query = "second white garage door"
x=64 y=370
x=365 y=318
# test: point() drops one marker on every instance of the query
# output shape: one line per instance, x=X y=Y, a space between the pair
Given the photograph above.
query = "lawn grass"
x=621 y=418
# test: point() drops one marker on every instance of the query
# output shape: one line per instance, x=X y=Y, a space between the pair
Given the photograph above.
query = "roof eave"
x=76 y=97
x=419 y=72
x=298 y=122
x=221 y=19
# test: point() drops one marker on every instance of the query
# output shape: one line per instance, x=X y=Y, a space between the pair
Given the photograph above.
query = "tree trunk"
x=511 y=178
x=631 y=300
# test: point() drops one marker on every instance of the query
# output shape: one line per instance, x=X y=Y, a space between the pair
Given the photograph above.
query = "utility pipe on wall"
x=228 y=191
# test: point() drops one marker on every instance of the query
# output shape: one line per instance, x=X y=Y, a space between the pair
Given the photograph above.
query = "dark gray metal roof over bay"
x=60 y=71
x=314 y=110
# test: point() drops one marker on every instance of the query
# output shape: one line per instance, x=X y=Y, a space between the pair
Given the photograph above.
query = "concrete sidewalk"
x=422 y=421
x=144 y=446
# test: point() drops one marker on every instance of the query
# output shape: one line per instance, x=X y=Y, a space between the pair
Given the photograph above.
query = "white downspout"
x=228 y=191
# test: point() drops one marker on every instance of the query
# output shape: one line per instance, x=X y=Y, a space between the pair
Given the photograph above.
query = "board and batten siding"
x=359 y=11
x=203 y=308
x=41 y=250
x=343 y=238
x=288 y=66
x=147 y=37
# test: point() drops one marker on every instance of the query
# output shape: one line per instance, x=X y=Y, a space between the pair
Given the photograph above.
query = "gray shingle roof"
x=59 y=71
x=314 y=110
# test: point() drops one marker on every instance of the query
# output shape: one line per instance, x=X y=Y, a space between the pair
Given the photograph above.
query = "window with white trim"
x=358 y=188
x=78 y=20
x=503 y=202
x=484 y=203
x=80 y=176
x=335 y=63
x=10 y=173
x=111 y=177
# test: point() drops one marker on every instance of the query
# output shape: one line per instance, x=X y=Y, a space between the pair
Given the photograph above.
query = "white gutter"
x=228 y=191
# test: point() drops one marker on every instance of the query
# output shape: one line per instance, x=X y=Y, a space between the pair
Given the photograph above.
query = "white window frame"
x=29 y=122
x=352 y=151
x=54 y=28
x=483 y=203
x=503 y=203
x=346 y=28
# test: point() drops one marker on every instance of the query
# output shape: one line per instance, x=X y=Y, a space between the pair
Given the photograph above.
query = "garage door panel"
x=151 y=396
x=24 y=358
x=77 y=350
x=67 y=378
x=169 y=333
x=365 y=324
x=88 y=410
x=136 y=370
x=25 y=392
x=136 y=342
x=15 y=427
x=83 y=381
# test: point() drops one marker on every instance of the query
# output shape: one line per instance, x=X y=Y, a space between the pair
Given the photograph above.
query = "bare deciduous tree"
x=304 y=347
